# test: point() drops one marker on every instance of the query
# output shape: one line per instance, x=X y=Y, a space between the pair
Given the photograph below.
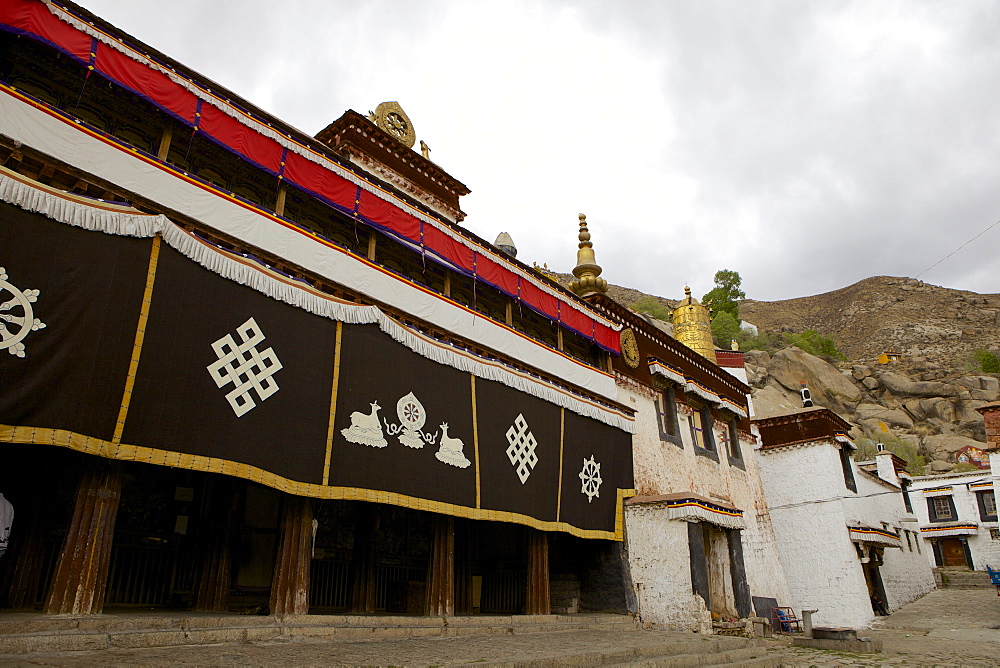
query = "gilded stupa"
x=587 y=271
x=693 y=326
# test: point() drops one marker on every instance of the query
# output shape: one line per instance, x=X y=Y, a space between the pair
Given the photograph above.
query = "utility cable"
x=958 y=249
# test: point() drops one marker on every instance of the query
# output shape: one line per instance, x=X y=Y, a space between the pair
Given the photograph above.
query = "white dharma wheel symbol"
x=17 y=318
x=590 y=478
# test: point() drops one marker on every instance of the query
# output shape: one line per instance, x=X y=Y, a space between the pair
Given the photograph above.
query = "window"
x=701 y=432
x=732 y=442
x=845 y=463
x=987 y=505
x=904 y=486
x=666 y=416
x=941 y=509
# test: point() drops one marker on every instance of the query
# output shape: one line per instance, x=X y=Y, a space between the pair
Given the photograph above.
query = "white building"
x=957 y=513
x=698 y=537
x=844 y=533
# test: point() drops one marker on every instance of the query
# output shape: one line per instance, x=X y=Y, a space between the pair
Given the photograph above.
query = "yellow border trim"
x=333 y=404
x=475 y=440
x=562 y=441
x=140 y=335
x=136 y=453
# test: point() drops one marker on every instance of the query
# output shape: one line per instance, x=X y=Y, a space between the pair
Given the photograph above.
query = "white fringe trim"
x=700 y=514
x=287 y=142
x=688 y=385
x=56 y=206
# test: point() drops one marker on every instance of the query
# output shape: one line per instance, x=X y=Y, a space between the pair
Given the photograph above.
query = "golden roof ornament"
x=587 y=271
x=391 y=118
x=693 y=326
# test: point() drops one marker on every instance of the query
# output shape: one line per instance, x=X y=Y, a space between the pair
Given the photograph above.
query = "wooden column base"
x=290 y=585
x=537 y=599
x=81 y=575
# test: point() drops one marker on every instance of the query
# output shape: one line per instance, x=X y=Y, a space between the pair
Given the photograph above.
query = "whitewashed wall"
x=661 y=467
x=811 y=507
x=985 y=551
x=905 y=572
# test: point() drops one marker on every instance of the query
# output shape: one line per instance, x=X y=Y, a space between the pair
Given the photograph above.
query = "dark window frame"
x=984 y=514
x=735 y=450
x=932 y=512
x=845 y=464
x=703 y=414
x=666 y=415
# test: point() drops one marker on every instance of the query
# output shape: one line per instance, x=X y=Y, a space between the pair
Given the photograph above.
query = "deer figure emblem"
x=451 y=450
x=366 y=429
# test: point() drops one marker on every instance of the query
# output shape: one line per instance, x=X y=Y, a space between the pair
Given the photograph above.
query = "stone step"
x=22 y=634
x=678 y=656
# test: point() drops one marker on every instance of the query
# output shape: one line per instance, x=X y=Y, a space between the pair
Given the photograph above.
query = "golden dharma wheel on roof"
x=693 y=326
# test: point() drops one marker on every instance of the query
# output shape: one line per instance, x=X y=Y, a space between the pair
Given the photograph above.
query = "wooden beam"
x=537 y=599
x=290 y=584
x=440 y=597
x=81 y=575
x=371 y=245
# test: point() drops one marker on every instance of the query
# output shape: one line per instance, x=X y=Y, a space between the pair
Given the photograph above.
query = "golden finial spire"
x=693 y=326
x=587 y=271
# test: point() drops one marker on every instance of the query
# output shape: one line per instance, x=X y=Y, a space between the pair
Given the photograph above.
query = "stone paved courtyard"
x=944 y=628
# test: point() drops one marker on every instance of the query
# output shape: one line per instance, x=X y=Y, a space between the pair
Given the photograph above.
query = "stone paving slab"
x=947 y=627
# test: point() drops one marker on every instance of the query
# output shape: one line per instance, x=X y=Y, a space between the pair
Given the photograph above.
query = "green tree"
x=816 y=344
x=652 y=306
x=724 y=296
x=725 y=328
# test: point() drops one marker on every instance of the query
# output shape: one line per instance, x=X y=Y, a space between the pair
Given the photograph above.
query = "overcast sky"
x=806 y=145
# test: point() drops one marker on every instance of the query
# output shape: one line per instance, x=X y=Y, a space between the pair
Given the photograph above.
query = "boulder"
x=938 y=466
x=758 y=357
x=771 y=400
x=860 y=371
x=829 y=388
x=902 y=386
x=756 y=375
x=891 y=417
x=944 y=446
x=870 y=382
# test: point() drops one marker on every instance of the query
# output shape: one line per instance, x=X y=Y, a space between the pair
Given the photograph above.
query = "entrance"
x=953 y=553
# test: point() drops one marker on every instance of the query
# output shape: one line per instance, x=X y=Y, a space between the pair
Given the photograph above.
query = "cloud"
x=806 y=145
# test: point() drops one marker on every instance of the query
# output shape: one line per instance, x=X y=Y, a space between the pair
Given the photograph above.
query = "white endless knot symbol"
x=522 y=448
x=246 y=368
x=590 y=479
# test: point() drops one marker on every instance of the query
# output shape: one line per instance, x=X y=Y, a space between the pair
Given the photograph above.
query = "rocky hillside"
x=880 y=313
x=926 y=401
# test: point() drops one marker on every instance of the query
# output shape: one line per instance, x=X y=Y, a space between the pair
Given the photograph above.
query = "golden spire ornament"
x=587 y=271
x=693 y=326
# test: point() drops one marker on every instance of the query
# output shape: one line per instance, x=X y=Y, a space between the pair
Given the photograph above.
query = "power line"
x=957 y=249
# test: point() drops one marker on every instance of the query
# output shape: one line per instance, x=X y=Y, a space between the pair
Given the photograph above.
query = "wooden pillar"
x=371 y=246
x=463 y=567
x=279 y=205
x=290 y=585
x=537 y=600
x=81 y=576
x=364 y=561
x=440 y=599
x=216 y=563
x=164 y=150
